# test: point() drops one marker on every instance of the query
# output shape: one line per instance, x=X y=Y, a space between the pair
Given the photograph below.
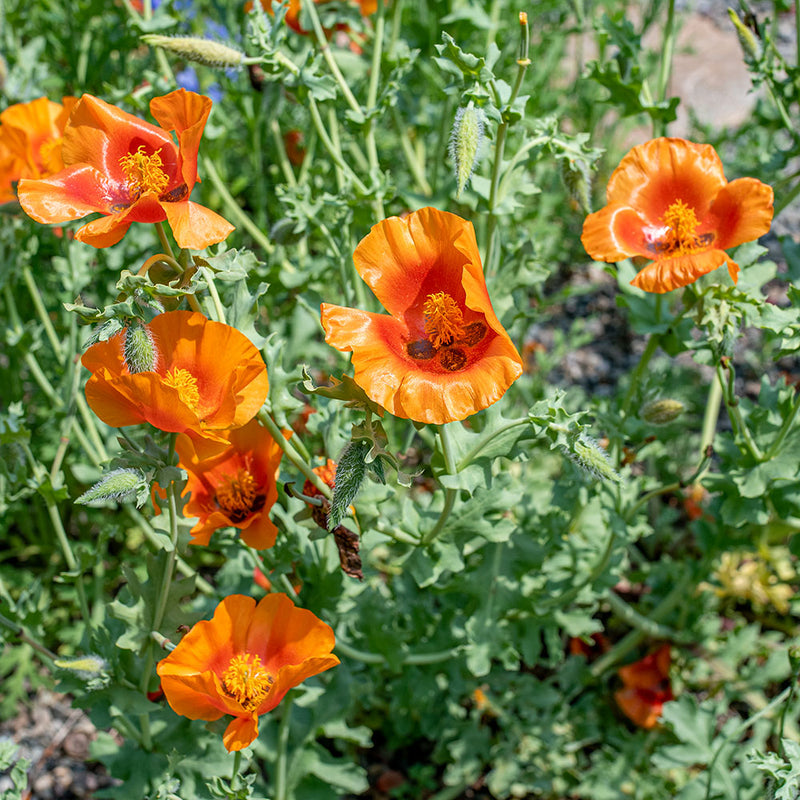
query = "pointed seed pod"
x=576 y=182
x=139 y=350
x=120 y=485
x=200 y=51
x=587 y=454
x=465 y=143
x=661 y=412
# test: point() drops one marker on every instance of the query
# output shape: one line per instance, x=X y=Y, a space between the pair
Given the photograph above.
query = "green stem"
x=667 y=51
x=23 y=636
x=327 y=54
x=212 y=290
x=150 y=534
x=397 y=9
x=285 y=444
x=735 y=413
x=372 y=97
x=713 y=404
x=41 y=312
x=281 y=761
x=450 y=494
x=500 y=142
x=636 y=377
x=235 y=210
x=787 y=423
x=237 y=764
x=646 y=626
x=162 y=594
x=472 y=454
x=164 y=239
x=283 y=158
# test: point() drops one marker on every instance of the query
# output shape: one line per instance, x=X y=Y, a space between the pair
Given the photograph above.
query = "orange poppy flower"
x=234 y=486
x=129 y=171
x=668 y=201
x=244 y=661
x=30 y=141
x=646 y=688
x=442 y=354
x=207 y=378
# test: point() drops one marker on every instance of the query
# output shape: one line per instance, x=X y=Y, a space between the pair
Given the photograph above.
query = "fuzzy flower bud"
x=576 y=182
x=200 y=51
x=465 y=143
x=587 y=454
x=85 y=667
x=661 y=412
x=139 y=349
x=120 y=485
x=750 y=45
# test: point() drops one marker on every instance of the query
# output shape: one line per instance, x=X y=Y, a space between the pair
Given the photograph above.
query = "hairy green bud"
x=587 y=454
x=351 y=469
x=85 y=666
x=465 y=143
x=139 y=350
x=661 y=412
x=119 y=485
x=575 y=176
x=200 y=51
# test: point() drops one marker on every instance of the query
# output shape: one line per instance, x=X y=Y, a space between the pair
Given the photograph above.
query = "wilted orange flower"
x=129 y=171
x=669 y=201
x=30 y=141
x=442 y=354
x=646 y=688
x=244 y=661
x=232 y=485
x=207 y=378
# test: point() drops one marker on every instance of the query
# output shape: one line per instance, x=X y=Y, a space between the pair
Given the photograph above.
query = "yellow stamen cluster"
x=443 y=319
x=246 y=680
x=237 y=494
x=186 y=384
x=144 y=172
x=682 y=223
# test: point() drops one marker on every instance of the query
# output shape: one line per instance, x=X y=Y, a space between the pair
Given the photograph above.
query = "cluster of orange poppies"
x=439 y=355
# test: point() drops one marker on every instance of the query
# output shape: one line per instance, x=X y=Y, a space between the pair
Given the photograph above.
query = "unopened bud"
x=350 y=472
x=750 y=45
x=120 y=485
x=200 y=51
x=465 y=143
x=661 y=412
x=139 y=350
x=587 y=454
x=85 y=667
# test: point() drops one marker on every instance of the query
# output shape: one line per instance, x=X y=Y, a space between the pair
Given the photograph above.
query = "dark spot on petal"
x=705 y=239
x=175 y=195
x=118 y=208
x=452 y=358
x=421 y=350
x=238 y=515
x=472 y=333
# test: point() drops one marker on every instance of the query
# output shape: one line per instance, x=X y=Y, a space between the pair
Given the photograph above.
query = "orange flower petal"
x=70 y=194
x=668 y=274
x=397 y=256
x=742 y=211
x=638 y=708
x=185 y=113
x=101 y=135
x=653 y=174
x=241 y=732
x=193 y=695
x=195 y=226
